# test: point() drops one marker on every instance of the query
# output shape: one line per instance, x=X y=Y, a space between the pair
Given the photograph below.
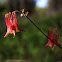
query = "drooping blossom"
x=50 y=43
x=54 y=38
x=12 y=27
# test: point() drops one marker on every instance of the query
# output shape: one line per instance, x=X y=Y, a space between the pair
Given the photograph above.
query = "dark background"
x=28 y=46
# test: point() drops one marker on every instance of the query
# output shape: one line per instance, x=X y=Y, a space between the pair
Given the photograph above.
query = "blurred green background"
x=28 y=46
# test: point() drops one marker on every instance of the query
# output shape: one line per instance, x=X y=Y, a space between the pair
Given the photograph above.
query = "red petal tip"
x=6 y=15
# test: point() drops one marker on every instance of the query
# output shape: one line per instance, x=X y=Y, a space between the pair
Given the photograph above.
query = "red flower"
x=12 y=28
x=53 y=37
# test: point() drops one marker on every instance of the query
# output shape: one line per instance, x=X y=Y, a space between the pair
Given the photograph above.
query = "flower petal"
x=14 y=19
x=14 y=32
x=6 y=16
x=19 y=28
x=46 y=45
x=6 y=34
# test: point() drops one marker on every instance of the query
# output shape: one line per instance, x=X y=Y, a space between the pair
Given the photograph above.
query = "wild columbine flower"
x=50 y=43
x=12 y=28
x=53 y=37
